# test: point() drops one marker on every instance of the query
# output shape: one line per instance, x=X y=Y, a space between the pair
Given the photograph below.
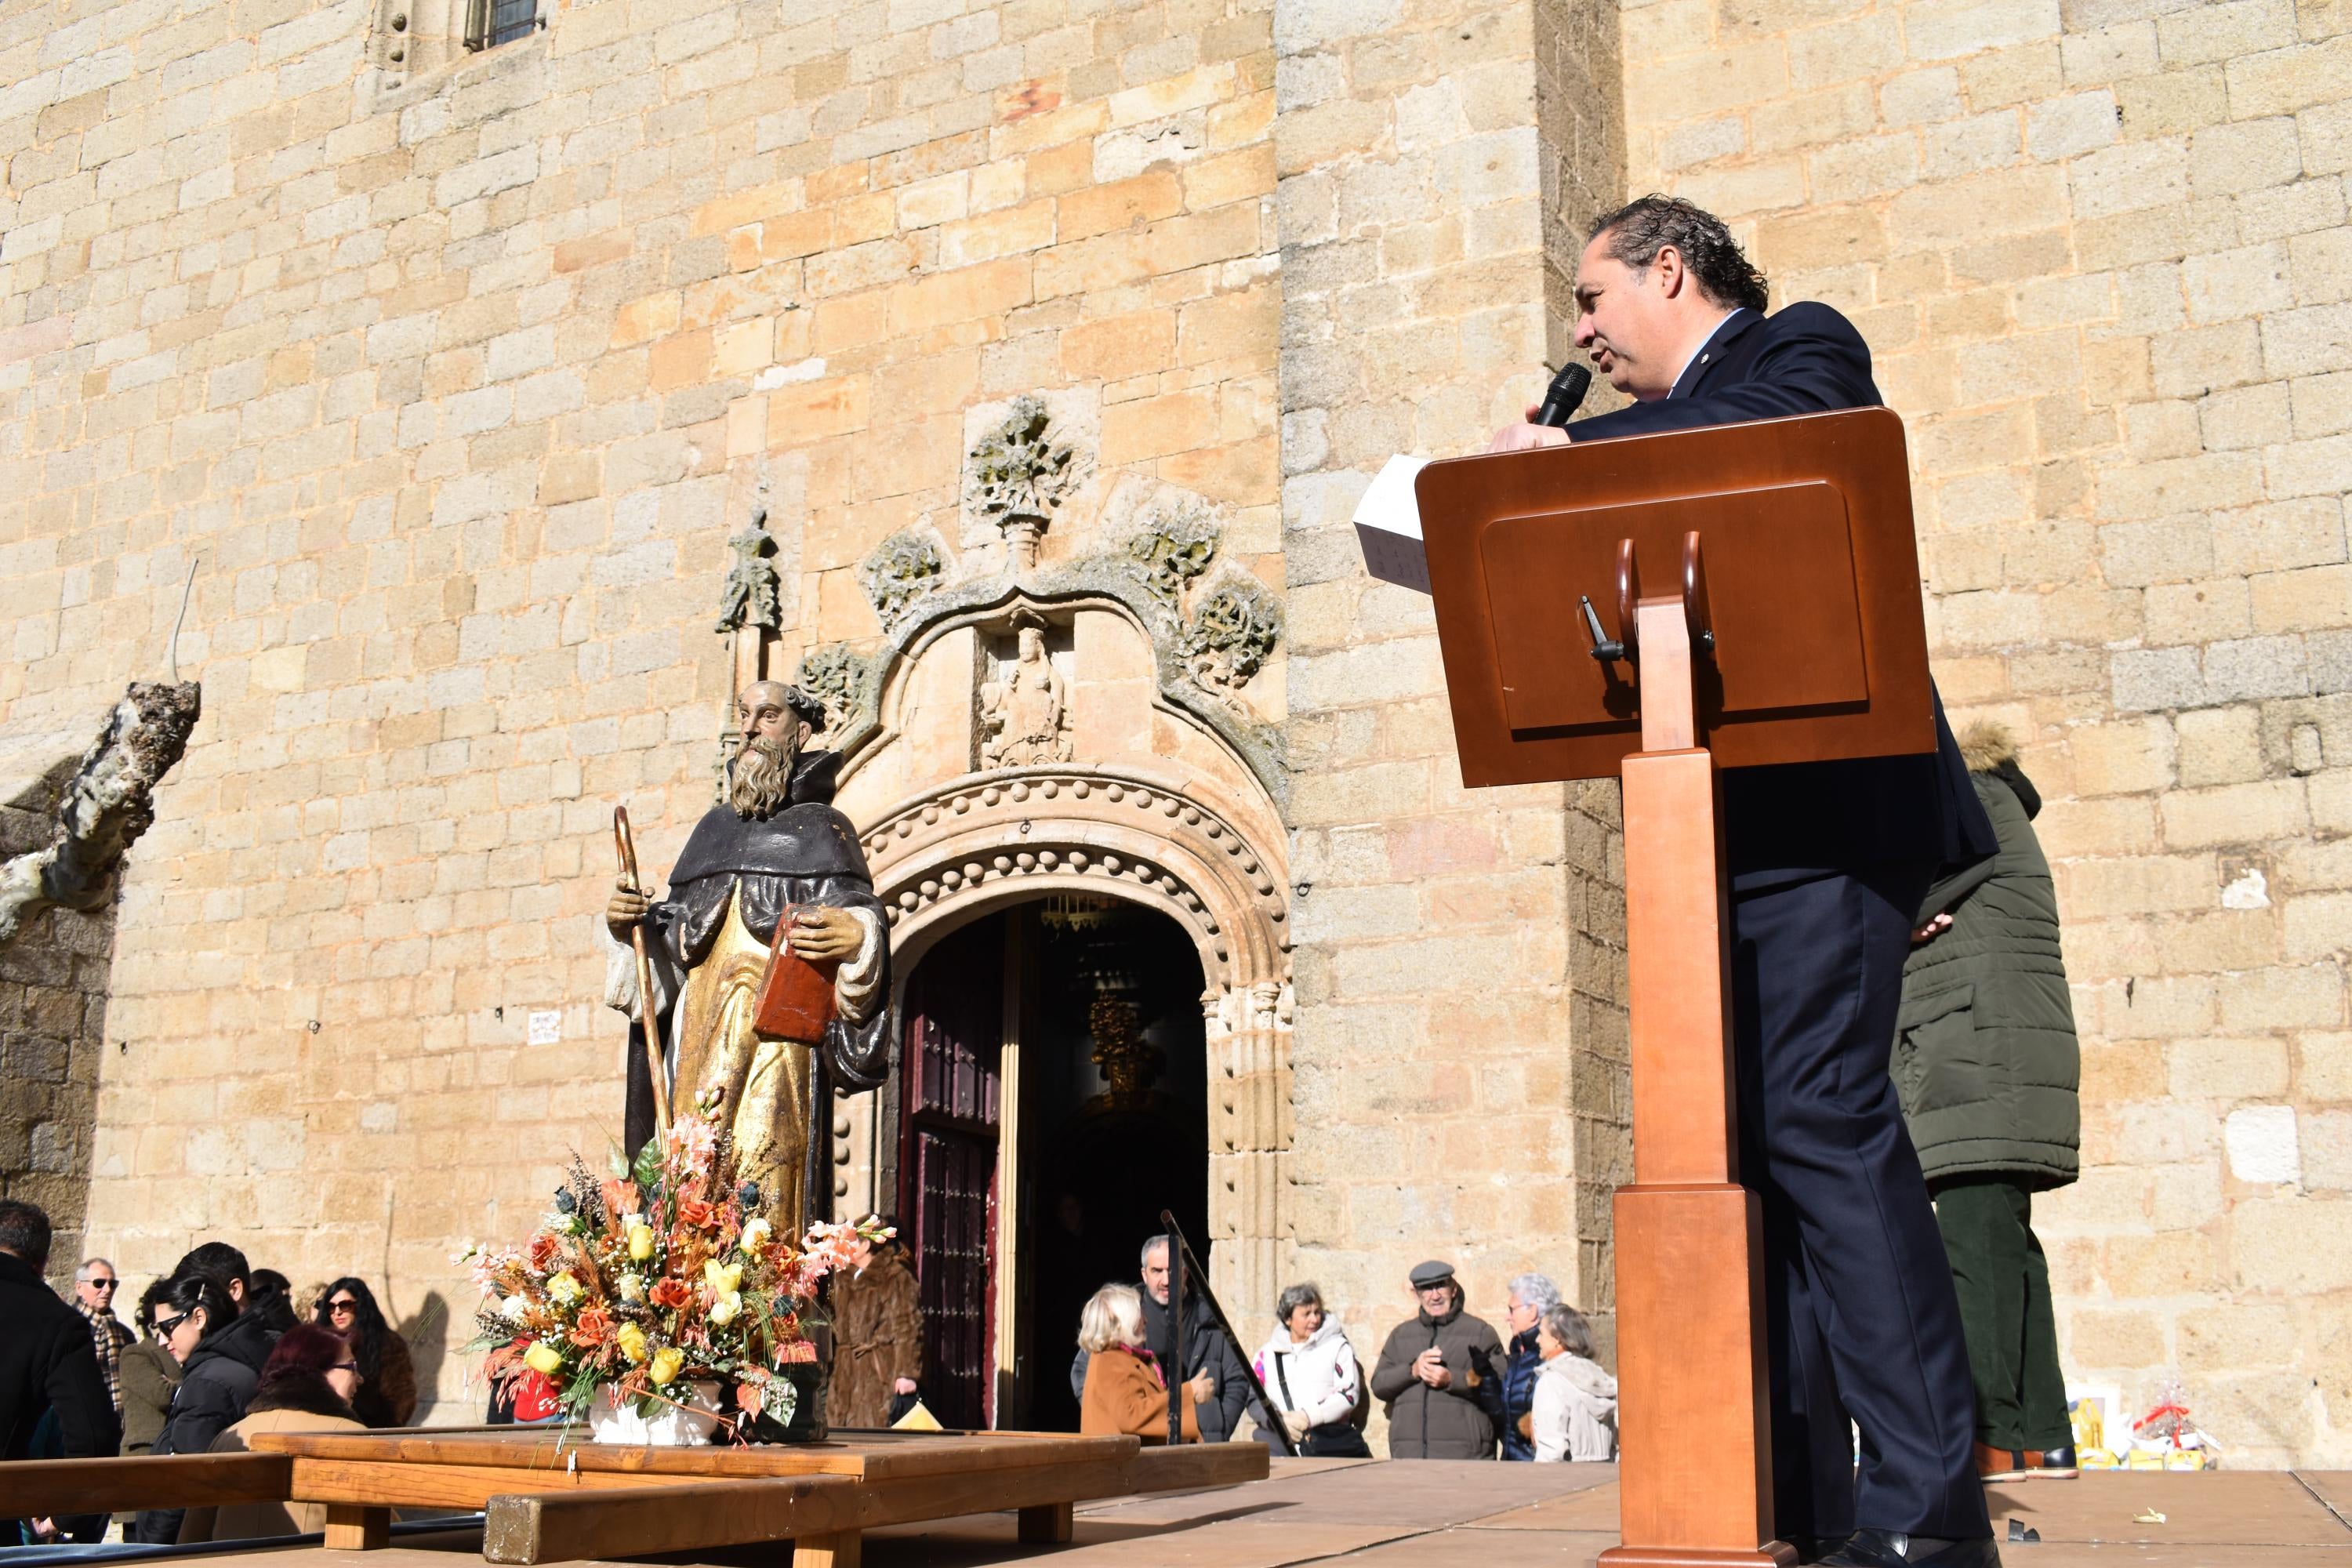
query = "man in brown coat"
x=877 y=1325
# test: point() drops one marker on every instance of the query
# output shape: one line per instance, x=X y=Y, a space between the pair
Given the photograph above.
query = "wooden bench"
x=546 y=1499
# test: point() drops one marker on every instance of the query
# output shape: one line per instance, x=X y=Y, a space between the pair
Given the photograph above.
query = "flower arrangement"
x=659 y=1276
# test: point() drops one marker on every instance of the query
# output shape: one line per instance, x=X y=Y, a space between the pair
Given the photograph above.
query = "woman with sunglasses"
x=388 y=1396
x=221 y=1353
x=306 y=1386
x=150 y=1375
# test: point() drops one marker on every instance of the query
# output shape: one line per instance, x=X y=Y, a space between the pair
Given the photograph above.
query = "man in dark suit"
x=1828 y=862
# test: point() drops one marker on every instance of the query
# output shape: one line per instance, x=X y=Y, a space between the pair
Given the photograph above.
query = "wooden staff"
x=627 y=849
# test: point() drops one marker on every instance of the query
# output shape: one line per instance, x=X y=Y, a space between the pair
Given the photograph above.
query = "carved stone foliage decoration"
x=753 y=594
x=1172 y=549
x=901 y=571
x=838 y=678
x=1022 y=472
x=1024 y=711
x=1232 y=634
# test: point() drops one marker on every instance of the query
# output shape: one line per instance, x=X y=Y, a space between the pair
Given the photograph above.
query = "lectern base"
x=1771 y=1554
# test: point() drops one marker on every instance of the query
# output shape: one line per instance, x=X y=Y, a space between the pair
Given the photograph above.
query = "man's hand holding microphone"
x=1546 y=420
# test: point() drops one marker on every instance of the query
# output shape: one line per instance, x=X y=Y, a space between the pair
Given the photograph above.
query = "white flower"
x=723 y=1309
x=630 y=1288
x=756 y=1235
x=513 y=1307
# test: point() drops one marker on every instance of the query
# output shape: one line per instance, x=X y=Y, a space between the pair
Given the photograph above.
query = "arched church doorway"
x=1051 y=1098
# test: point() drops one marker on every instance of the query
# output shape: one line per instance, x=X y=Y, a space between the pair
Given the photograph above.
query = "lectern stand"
x=1662 y=607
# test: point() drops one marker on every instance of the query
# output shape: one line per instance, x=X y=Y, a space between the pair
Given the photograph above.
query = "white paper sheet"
x=1387 y=525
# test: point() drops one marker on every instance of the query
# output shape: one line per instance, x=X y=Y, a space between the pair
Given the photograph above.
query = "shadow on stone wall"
x=54 y=980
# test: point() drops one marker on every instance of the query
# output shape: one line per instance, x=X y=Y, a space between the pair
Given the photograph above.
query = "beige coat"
x=252 y=1520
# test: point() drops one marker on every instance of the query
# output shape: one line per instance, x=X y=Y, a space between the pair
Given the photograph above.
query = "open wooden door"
x=954 y=1024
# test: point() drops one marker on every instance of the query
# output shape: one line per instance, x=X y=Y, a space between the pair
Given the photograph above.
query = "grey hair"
x=1568 y=1327
x=1294 y=1297
x=81 y=1274
x=1535 y=1290
x=1647 y=225
x=1153 y=1245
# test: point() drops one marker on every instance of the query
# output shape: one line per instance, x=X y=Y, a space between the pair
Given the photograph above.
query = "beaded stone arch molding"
x=988 y=840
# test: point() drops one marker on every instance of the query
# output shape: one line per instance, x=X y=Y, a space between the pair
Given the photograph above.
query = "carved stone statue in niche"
x=1024 y=711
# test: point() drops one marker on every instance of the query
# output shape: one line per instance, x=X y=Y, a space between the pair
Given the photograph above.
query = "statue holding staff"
x=775 y=849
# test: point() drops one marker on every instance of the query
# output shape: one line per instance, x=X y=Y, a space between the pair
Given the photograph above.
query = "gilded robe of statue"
x=708 y=943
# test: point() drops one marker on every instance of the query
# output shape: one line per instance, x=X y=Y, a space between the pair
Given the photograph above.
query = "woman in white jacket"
x=1309 y=1372
x=1576 y=1402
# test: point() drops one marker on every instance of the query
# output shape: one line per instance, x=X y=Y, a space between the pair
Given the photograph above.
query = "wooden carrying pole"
x=655 y=1063
x=1809 y=647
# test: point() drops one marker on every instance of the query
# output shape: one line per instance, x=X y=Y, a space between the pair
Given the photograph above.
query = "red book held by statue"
x=796 y=1000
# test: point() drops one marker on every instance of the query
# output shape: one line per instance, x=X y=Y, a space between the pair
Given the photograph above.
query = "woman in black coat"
x=221 y=1354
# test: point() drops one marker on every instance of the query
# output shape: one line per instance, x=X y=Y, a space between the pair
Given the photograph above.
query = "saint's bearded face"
x=759 y=784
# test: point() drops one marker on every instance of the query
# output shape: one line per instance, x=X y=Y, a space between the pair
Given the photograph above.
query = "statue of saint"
x=775 y=844
x=1021 y=712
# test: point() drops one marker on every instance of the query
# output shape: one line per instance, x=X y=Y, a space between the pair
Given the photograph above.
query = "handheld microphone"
x=1561 y=398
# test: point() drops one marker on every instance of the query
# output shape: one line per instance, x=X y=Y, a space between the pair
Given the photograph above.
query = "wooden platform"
x=548 y=1501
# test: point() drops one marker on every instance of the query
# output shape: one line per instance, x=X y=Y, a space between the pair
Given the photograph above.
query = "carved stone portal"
x=1024 y=711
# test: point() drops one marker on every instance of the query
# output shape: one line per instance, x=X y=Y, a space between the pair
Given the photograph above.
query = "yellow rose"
x=544 y=1359
x=723 y=1310
x=633 y=1343
x=725 y=1278
x=562 y=1290
x=666 y=1363
x=641 y=1242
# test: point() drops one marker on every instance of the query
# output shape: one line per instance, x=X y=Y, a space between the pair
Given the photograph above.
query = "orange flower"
x=594 y=1328
x=541 y=1252
x=670 y=1291
x=697 y=1213
x=621 y=1197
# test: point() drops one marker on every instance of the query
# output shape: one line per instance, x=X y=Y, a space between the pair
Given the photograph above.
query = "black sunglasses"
x=101 y=1284
x=164 y=1326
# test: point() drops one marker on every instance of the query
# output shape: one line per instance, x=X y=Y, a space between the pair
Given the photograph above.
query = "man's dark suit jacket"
x=1783 y=823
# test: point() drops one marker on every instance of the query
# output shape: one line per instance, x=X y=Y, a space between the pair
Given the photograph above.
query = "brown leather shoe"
x=2006 y=1464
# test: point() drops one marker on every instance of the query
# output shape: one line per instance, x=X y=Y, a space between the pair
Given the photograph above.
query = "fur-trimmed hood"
x=1990 y=747
x=1986 y=744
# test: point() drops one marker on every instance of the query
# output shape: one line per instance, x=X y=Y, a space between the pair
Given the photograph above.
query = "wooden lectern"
x=1754 y=595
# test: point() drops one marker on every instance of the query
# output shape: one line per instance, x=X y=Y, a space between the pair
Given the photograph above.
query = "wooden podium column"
x=1691 y=1373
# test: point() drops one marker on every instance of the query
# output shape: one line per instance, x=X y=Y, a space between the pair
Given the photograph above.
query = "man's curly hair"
x=1643 y=227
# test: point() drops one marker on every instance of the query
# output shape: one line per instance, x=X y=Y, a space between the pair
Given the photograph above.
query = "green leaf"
x=647 y=1168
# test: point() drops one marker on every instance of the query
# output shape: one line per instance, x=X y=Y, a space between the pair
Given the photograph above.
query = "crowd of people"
x=1453 y=1389
x=214 y=1352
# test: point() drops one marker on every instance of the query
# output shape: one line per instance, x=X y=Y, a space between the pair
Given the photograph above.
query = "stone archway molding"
x=983 y=841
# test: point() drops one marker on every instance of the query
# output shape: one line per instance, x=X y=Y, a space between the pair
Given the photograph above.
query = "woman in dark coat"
x=878 y=1324
x=1986 y=1064
x=150 y=1375
x=387 y=1395
x=221 y=1355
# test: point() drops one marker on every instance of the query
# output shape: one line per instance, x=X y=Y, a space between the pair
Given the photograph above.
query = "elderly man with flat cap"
x=772 y=850
x=1438 y=1375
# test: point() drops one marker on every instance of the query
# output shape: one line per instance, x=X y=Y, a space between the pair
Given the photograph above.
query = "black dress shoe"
x=1892 y=1549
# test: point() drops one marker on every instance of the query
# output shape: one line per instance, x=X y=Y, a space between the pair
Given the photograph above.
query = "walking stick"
x=627 y=849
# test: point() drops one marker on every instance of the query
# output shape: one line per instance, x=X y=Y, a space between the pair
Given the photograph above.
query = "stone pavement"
x=1562 y=1516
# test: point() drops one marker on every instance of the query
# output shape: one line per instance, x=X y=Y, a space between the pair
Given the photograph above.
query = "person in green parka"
x=1986 y=1064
